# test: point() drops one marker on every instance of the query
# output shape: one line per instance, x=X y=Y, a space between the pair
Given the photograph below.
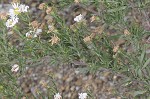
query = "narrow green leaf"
x=146 y=63
x=117 y=9
x=142 y=57
x=136 y=93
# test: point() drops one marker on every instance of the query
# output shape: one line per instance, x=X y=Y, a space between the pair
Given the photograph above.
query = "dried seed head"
x=126 y=32
x=49 y=19
x=48 y=10
x=87 y=39
x=99 y=29
x=23 y=97
x=118 y=97
x=3 y=16
x=77 y=1
x=42 y=6
x=54 y=40
x=92 y=35
x=42 y=25
x=35 y=24
x=93 y=18
x=51 y=28
x=115 y=49
x=16 y=1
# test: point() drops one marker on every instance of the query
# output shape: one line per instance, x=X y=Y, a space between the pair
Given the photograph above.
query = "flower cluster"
x=54 y=39
x=78 y=18
x=33 y=34
x=13 y=13
x=81 y=96
x=57 y=96
x=15 y=68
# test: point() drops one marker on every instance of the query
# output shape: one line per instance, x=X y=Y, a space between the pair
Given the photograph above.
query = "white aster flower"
x=16 y=9
x=29 y=34
x=12 y=13
x=78 y=18
x=35 y=35
x=38 y=31
x=57 y=96
x=15 y=5
x=15 y=68
x=23 y=8
x=15 y=19
x=49 y=26
x=82 y=95
x=12 y=21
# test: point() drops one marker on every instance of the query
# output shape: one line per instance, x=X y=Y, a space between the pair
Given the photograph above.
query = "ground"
x=106 y=54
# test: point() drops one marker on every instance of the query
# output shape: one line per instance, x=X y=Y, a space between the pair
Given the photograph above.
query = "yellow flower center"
x=16 y=11
x=10 y=22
